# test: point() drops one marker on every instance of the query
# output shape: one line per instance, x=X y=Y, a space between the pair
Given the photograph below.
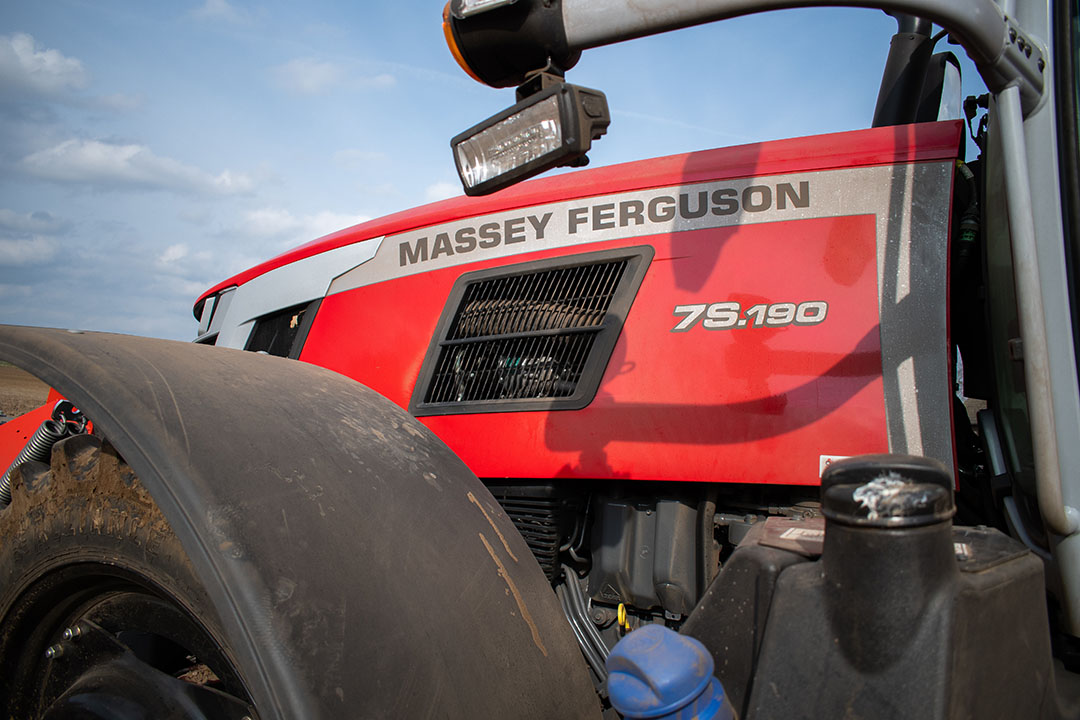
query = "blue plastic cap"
x=659 y=674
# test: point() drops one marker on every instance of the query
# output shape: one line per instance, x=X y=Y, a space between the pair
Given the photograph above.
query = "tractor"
x=782 y=430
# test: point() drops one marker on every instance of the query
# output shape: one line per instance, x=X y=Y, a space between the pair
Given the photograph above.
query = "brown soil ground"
x=19 y=391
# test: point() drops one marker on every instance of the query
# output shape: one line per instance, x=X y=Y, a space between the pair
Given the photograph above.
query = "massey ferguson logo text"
x=661 y=210
x=468 y=239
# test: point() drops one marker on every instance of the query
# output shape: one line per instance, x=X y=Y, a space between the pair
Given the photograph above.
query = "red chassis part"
x=750 y=404
x=654 y=418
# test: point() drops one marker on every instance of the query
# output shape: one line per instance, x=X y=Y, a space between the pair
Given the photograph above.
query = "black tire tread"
x=87 y=490
x=86 y=506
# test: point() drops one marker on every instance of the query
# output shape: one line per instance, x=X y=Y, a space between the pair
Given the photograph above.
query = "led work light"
x=551 y=128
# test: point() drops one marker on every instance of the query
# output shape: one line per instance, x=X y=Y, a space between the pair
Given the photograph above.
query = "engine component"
x=543 y=516
x=645 y=554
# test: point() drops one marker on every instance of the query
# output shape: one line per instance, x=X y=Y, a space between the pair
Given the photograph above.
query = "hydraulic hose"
x=577 y=604
x=66 y=420
x=591 y=656
x=37 y=448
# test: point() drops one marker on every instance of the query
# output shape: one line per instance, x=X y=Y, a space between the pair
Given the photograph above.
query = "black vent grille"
x=528 y=335
x=552 y=300
x=543 y=517
x=537 y=521
x=525 y=336
x=510 y=369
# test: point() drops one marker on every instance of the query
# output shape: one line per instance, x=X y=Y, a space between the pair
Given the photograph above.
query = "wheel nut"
x=54 y=652
x=72 y=633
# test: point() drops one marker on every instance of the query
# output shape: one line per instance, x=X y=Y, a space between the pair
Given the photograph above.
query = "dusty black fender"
x=358 y=566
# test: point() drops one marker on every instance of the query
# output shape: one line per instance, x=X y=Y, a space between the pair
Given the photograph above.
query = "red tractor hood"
x=859 y=148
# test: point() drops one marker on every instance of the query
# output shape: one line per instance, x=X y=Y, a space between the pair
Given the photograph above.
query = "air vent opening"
x=545 y=516
x=282 y=332
x=536 y=336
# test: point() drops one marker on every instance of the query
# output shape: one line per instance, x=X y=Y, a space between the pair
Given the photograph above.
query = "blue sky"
x=149 y=150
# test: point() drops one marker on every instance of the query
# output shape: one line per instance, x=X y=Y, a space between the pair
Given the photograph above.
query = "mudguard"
x=358 y=566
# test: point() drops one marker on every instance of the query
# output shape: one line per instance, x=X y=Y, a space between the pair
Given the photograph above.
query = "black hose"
x=577 y=604
x=39 y=448
x=591 y=656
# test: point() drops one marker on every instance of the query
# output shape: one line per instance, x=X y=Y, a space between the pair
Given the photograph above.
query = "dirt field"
x=19 y=391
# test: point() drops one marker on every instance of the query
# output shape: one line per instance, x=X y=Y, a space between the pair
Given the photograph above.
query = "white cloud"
x=25 y=67
x=108 y=166
x=307 y=76
x=36 y=250
x=229 y=182
x=324 y=222
x=35 y=77
x=220 y=10
x=269 y=222
x=441 y=191
x=13 y=224
x=173 y=253
x=191 y=289
x=281 y=225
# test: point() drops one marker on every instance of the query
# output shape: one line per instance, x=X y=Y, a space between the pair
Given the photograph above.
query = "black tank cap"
x=862 y=469
x=887 y=491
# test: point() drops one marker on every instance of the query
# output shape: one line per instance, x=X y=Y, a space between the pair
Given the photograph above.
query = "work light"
x=550 y=128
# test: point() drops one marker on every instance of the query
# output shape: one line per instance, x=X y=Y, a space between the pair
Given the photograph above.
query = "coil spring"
x=38 y=448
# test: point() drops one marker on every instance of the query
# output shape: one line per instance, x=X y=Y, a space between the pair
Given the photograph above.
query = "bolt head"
x=54 y=652
x=72 y=633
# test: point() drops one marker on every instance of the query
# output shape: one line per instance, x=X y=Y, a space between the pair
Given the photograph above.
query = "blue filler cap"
x=657 y=673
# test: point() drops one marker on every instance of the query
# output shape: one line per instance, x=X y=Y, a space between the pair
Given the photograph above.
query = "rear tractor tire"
x=101 y=613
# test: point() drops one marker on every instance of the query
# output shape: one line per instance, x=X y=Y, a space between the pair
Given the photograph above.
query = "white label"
x=797 y=533
x=825 y=461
